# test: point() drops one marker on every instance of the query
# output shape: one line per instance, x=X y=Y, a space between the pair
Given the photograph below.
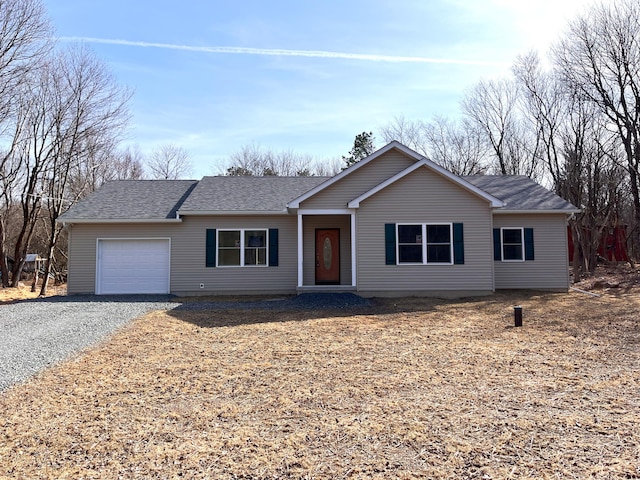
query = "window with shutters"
x=242 y=248
x=512 y=244
x=425 y=243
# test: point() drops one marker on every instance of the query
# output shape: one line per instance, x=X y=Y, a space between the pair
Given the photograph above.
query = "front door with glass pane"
x=328 y=256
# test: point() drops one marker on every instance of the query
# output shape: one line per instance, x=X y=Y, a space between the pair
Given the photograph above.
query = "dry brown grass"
x=23 y=292
x=411 y=389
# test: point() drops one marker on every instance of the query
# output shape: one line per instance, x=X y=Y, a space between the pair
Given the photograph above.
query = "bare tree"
x=579 y=153
x=286 y=163
x=545 y=106
x=408 y=132
x=254 y=160
x=56 y=111
x=86 y=113
x=31 y=157
x=248 y=161
x=108 y=162
x=24 y=40
x=327 y=167
x=126 y=164
x=458 y=147
x=599 y=57
x=591 y=178
x=10 y=177
x=169 y=162
x=493 y=106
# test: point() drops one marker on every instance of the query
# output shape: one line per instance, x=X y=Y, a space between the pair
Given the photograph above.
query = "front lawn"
x=408 y=389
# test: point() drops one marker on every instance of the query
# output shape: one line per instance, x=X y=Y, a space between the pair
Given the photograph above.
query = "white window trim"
x=424 y=243
x=502 y=229
x=242 y=247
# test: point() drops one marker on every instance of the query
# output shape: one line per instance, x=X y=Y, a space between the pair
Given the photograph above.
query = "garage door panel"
x=133 y=266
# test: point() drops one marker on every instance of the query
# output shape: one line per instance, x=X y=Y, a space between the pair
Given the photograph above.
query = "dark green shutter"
x=458 y=244
x=390 y=243
x=211 y=247
x=528 y=244
x=497 y=247
x=273 y=247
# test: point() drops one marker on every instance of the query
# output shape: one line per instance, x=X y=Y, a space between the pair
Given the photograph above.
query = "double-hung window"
x=410 y=244
x=425 y=243
x=242 y=248
x=512 y=244
x=439 y=243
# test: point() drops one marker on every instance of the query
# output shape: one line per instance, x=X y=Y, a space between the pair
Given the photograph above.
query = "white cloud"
x=284 y=52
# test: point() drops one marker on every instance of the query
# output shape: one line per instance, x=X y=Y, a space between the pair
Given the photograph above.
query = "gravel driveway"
x=37 y=333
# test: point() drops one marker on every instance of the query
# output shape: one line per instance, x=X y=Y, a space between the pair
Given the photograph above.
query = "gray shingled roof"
x=519 y=192
x=132 y=199
x=162 y=199
x=247 y=194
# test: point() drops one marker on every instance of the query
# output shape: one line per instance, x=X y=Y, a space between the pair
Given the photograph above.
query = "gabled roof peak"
x=421 y=160
x=494 y=201
x=394 y=144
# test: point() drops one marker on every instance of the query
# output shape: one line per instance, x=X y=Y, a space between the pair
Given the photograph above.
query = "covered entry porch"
x=326 y=251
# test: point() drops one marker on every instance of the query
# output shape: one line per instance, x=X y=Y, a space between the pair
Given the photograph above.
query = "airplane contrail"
x=282 y=52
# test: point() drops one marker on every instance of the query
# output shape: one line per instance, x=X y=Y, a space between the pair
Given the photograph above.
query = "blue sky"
x=212 y=76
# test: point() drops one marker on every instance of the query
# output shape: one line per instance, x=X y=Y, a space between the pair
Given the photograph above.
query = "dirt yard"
x=412 y=388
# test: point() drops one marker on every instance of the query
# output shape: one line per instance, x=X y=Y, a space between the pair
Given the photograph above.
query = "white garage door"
x=133 y=266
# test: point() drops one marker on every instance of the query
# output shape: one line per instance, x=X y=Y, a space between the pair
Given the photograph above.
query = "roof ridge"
x=151 y=180
x=267 y=176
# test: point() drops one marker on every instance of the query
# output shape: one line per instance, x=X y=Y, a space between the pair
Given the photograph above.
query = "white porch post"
x=300 y=252
x=353 y=249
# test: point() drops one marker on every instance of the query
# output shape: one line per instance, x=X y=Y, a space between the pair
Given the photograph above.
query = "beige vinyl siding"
x=424 y=197
x=81 y=263
x=310 y=224
x=550 y=269
x=360 y=181
x=188 y=250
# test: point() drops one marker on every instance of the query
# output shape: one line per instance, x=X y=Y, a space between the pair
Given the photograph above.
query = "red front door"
x=328 y=256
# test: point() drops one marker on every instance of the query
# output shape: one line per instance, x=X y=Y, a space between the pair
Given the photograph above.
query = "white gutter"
x=66 y=221
x=501 y=211
x=231 y=212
